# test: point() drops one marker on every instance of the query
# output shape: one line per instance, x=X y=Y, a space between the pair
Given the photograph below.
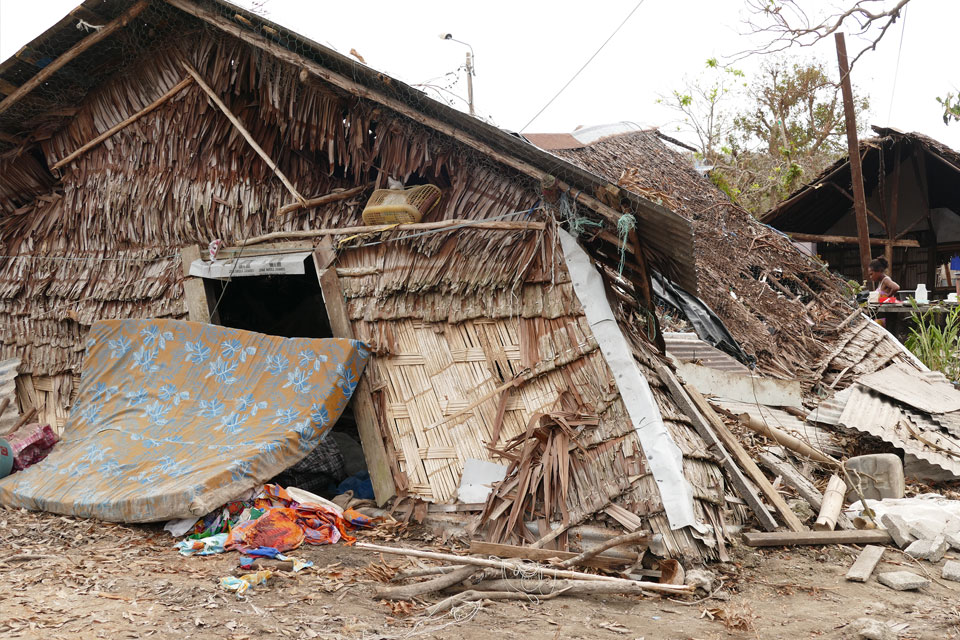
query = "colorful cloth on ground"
x=30 y=444
x=176 y=418
x=202 y=546
x=286 y=524
x=244 y=582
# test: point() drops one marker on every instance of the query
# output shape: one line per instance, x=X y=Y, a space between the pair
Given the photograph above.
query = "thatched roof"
x=665 y=235
x=814 y=209
x=781 y=305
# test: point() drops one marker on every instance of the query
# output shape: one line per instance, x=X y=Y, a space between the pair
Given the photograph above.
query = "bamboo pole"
x=71 y=53
x=786 y=440
x=174 y=90
x=502 y=564
x=496 y=225
x=320 y=200
x=831 y=505
x=243 y=131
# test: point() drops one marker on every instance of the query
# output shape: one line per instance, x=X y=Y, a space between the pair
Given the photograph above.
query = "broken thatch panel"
x=778 y=303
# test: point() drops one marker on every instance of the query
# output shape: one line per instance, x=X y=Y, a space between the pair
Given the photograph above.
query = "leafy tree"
x=766 y=134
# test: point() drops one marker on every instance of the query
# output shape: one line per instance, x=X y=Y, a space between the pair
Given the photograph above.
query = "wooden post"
x=194 y=289
x=71 y=53
x=894 y=213
x=853 y=150
x=243 y=131
x=920 y=171
x=365 y=413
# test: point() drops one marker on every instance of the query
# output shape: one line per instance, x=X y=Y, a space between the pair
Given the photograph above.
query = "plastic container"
x=880 y=476
x=921 y=294
x=6 y=458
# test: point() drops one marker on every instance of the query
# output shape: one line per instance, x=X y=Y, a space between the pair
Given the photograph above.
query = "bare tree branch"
x=785 y=24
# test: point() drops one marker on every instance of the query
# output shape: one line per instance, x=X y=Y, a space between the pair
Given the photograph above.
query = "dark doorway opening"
x=291 y=306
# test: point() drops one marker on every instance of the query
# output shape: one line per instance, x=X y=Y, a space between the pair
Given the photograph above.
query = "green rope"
x=625 y=225
x=576 y=223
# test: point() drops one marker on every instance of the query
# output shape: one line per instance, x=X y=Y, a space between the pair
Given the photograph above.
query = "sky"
x=526 y=51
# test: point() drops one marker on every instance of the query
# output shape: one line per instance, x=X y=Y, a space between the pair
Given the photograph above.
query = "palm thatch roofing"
x=783 y=306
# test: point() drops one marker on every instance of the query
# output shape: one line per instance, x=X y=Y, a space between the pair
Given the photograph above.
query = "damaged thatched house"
x=784 y=307
x=786 y=310
x=179 y=123
x=913 y=210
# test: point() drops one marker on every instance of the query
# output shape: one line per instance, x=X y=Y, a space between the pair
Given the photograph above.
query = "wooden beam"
x=194 y=289
x=894 y=213
x=365 y=413
x=853 y=150
x=745 y=461
x=870 y=213
x=791 y=538
x=813 y=237
x=70 y=54
x=495 y=225
x=235 y=121
x=703 y=427
x=117 y=127
x=6 y=87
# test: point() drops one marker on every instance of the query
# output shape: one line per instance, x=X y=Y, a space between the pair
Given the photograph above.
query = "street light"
x=470 y=69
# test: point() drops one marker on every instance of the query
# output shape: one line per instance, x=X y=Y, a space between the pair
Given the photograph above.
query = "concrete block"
x=902 y=580
x=952 y=539
x=898 y=528
x=951 y=570
x=879 y=476
x=931 y=550
x=923 y=531
x=870 y=629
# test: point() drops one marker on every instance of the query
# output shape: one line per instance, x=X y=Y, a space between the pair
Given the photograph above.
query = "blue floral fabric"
x=174 y=418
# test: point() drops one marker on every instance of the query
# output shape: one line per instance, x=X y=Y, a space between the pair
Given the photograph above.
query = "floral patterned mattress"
x=174 y=418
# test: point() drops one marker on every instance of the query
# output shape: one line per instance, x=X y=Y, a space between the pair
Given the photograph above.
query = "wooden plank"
x=804 y=487
x=865 y=564
x=703 y=428
x=71 y=53
x=815 y=237
x=194 y=289
x=745 y=462
x=543 y=555
x=117 y=127
x=793 y=538
x=365 y=413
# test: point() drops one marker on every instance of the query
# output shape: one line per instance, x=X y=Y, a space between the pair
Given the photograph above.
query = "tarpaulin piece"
x=175 y=418
x=701 y=317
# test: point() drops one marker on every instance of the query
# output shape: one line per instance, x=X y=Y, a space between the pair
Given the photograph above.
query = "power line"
x=564 y=87
x=896 y=71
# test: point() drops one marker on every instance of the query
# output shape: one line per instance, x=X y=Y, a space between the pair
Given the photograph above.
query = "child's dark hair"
x=879 y=264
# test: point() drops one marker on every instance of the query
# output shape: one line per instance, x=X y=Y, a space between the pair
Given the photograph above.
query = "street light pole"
x=470 y=69
x=470 y=82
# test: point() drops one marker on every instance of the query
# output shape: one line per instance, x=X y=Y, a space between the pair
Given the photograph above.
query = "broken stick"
x=520 y=567
x=411 y=591
x=627 y=538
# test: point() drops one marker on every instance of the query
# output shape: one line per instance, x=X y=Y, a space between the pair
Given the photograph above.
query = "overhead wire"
x=585 y=64
x=896 y=71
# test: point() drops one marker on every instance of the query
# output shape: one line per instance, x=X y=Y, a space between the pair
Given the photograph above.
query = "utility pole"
x=470 y=82
x=853 y=150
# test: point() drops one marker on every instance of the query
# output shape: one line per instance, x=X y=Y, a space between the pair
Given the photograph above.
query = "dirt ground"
x=69 y=578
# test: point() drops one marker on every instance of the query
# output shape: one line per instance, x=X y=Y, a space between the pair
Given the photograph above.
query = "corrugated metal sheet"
x=904 y=385
x=687 y=347
x=871 y=413
x=815 y=436
x=830 y=410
